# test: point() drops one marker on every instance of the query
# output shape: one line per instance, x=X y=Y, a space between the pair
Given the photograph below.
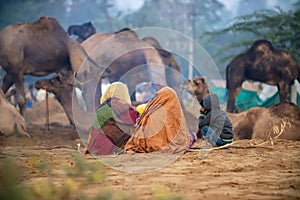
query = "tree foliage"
x=66 y=12
x=281 y=28
x=187 y=16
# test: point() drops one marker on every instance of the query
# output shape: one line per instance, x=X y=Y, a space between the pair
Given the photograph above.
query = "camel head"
x=82 y=31
x=196 y=87
x=57 y=83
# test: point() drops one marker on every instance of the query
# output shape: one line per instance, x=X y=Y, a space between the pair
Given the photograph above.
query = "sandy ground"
x=241 y=171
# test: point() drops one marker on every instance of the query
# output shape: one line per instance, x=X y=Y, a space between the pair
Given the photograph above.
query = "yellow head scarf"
x=141 y=108
x=118 y=90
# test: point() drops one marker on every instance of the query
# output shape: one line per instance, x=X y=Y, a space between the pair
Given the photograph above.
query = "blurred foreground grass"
x=74 y=182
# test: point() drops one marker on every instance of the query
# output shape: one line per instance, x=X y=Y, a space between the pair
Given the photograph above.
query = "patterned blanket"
x=111 y=127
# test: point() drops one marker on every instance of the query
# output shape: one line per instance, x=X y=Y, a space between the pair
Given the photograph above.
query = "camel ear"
x=199 y=80
x=202 y=79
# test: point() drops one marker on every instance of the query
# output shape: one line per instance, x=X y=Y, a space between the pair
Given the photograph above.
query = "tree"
x=281 y=28
x=179 y=15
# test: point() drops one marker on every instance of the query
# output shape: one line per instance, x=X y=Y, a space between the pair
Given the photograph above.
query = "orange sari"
x=162 y=127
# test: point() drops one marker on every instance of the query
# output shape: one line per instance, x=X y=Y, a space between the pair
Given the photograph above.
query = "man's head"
x=210 y=102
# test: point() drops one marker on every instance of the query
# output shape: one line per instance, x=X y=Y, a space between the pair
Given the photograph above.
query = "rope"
x=276 y=130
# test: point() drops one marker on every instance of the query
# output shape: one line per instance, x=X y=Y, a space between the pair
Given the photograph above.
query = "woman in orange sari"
x=161 y=128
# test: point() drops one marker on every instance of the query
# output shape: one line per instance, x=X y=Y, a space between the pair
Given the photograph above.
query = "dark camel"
x=264 y=63
x=83 y=31
x=37 y=49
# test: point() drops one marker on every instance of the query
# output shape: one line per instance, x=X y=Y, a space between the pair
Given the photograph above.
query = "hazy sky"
x=231 y=5
x=128 y=5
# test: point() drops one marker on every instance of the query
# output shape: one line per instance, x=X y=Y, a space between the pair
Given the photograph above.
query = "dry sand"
x=241 y=171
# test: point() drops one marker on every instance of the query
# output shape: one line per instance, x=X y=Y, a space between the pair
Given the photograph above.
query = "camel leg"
x=294 y=93
x=89 y=94
x=19 y=131
x=131 y=90
x=284 y=91
x=19 y=83
x=98 y=94
x=7 y=83
x=232 y=93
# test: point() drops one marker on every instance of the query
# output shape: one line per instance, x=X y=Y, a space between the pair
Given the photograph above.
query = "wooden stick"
x=47 y=111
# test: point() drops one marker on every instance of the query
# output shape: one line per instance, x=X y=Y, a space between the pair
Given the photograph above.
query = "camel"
x=266 y=123
x=196 y=87
x=255 y=123
x=172 y=71
x=12 y=122
x=264 y=63
x=61 y=85
x=86 y=30
x=83 y=31
x=128 y=59
x=38 y=49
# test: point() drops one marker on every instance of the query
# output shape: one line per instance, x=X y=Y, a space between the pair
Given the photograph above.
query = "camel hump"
x=122 y=30
x=46 y=22
x=49 y=24
x=127 y=33
x=43 y=26
x=152 y=41
x=263 y=46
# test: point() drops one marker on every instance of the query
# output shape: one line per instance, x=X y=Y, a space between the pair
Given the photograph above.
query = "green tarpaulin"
x=248 y=99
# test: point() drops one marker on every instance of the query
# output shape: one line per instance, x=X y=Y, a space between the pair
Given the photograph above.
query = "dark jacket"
x=215 y=117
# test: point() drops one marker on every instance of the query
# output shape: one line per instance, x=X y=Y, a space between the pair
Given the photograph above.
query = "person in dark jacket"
x=214 y=125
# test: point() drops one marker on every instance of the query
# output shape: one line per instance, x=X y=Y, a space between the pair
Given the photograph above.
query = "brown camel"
x=264 y=63
x=83 y=31
x=37 y=49
x=256 y=122
x=128 y=59
x=196 y=87
x=129 y=67
x=173 y=70
x=263 y=123
x=12 y=122
x=61 y=85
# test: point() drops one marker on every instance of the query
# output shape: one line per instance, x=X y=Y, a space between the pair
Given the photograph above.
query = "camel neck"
x=201 y=95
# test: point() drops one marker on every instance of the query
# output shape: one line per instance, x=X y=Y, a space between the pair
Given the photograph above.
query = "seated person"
x=114 y=119
x=214 y=125
x=161 y=127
